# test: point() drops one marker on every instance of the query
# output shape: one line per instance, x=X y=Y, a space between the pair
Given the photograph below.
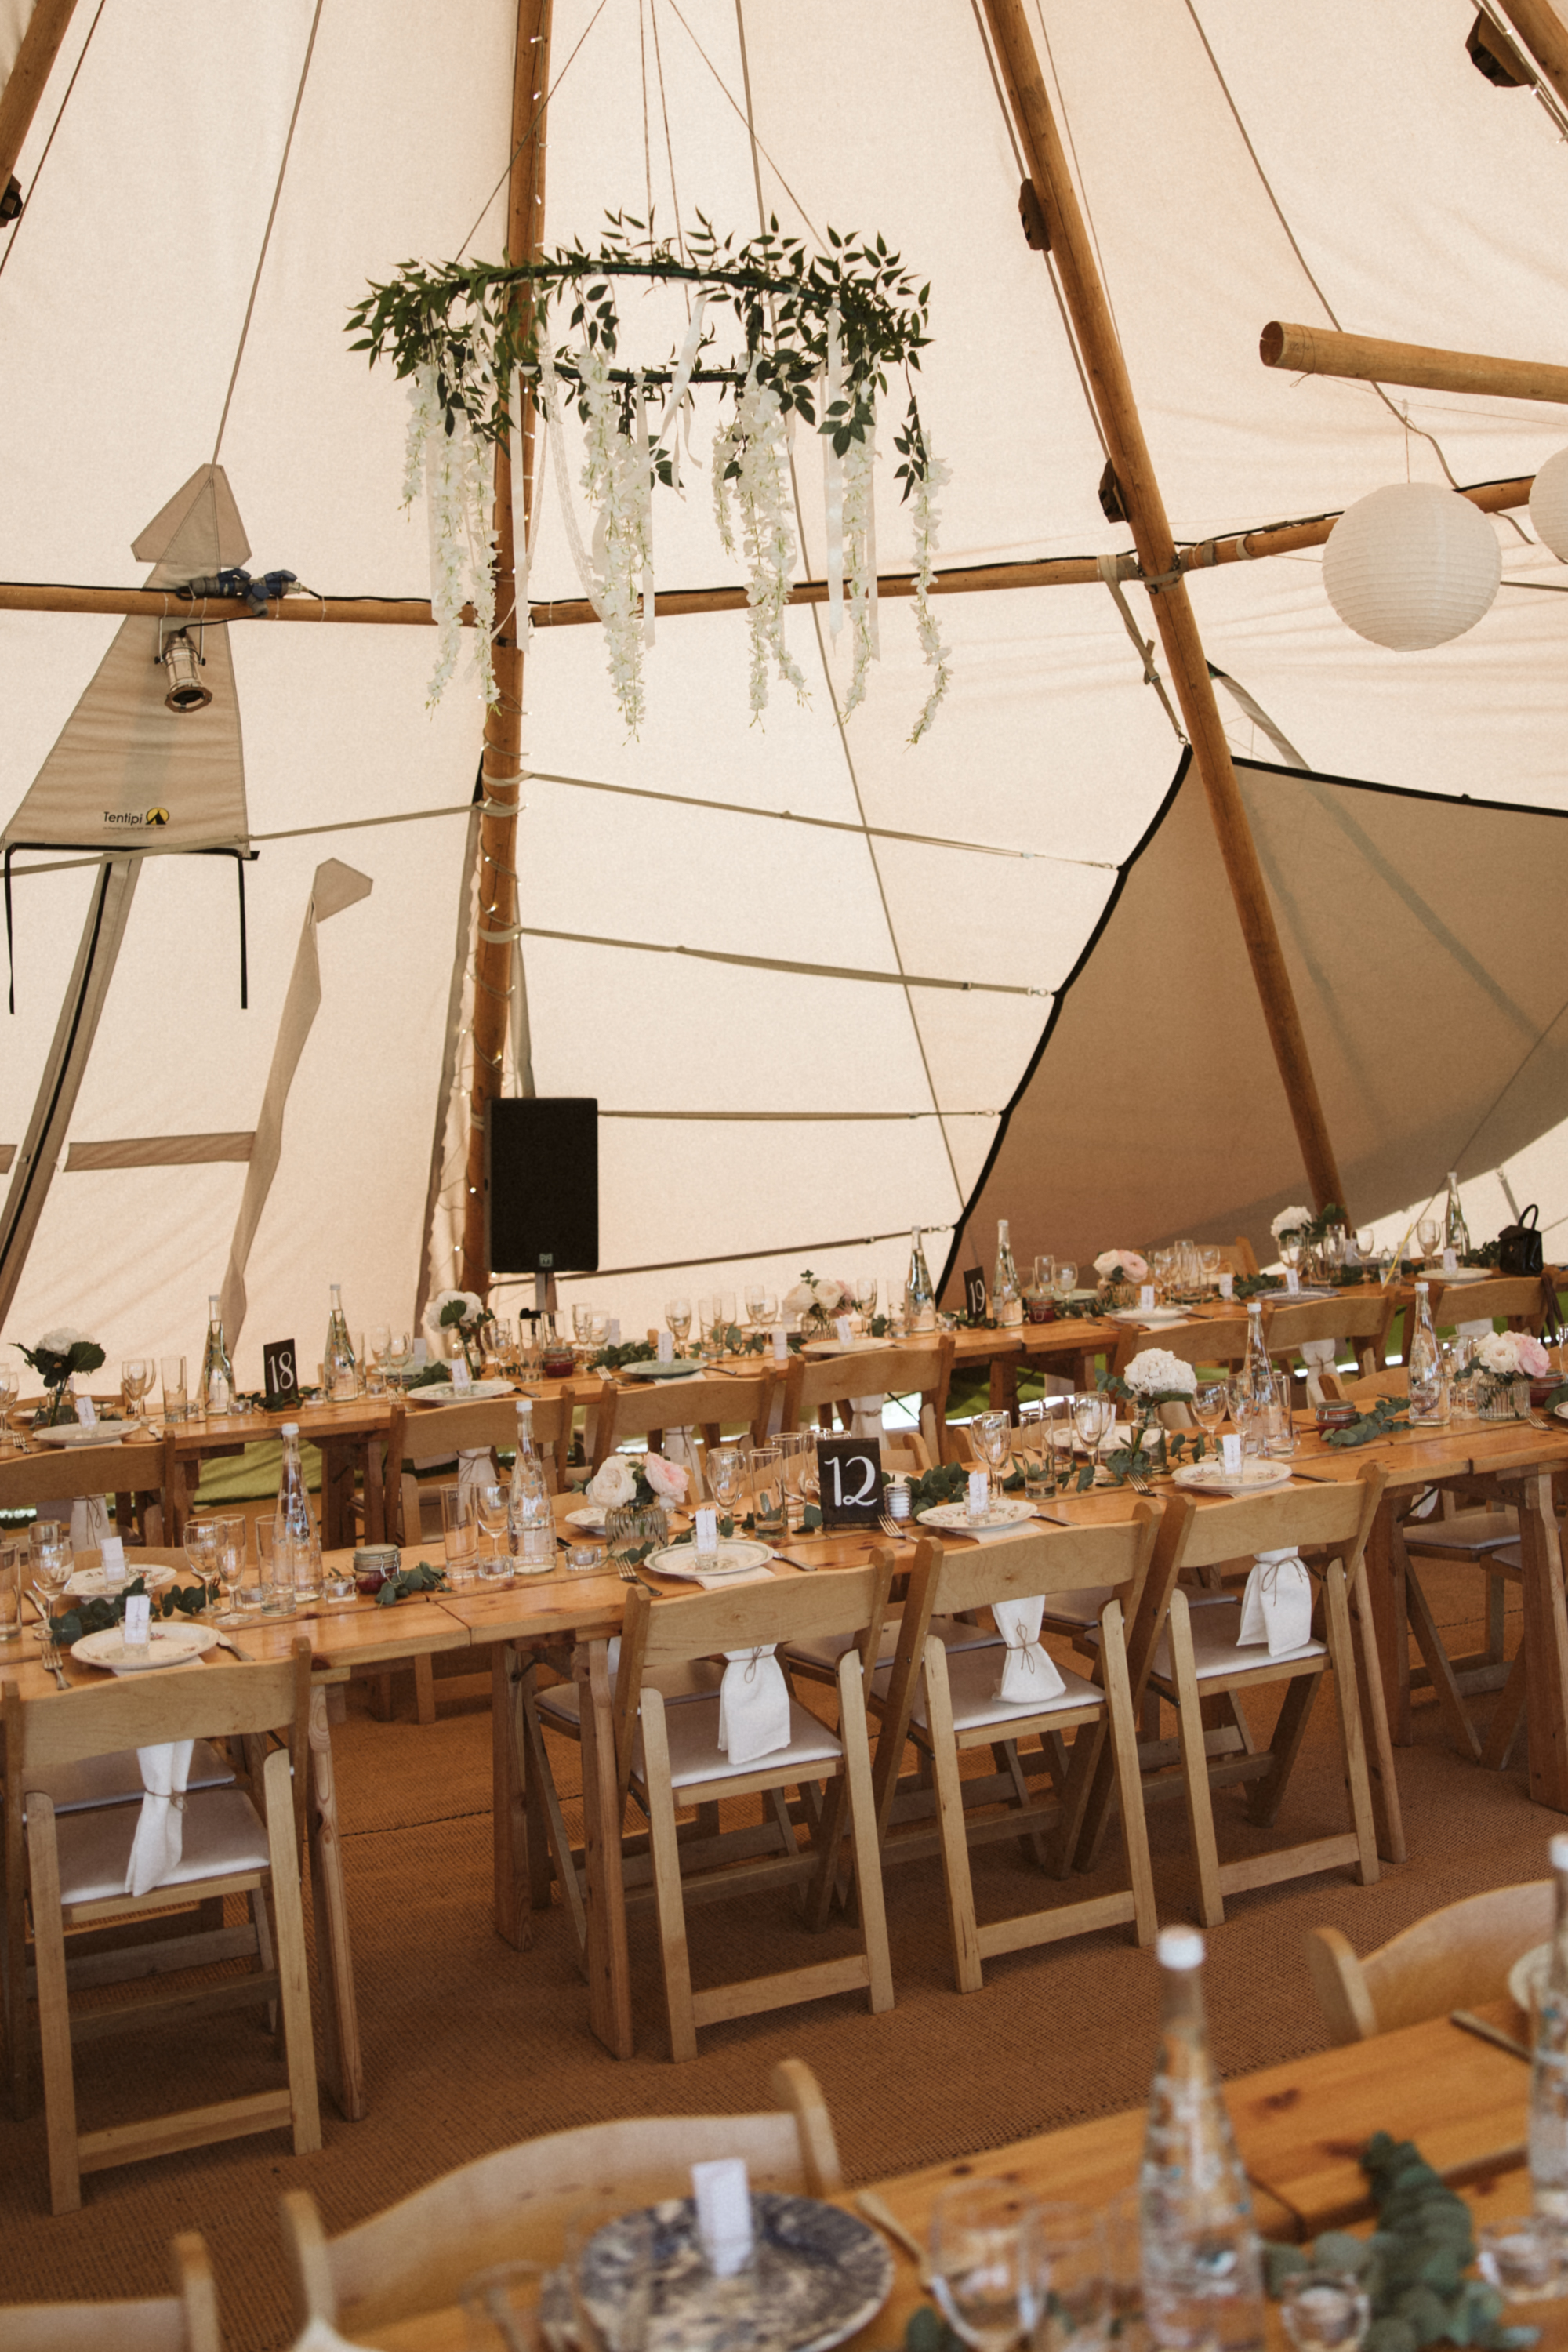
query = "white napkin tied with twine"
x=1277 y=1606
x=1028 y=1675
x=867 y=1412
x=89 y=1523
x=476 y=1468
x=160 y=1839
x=754 y=1705
x=1318 y=1356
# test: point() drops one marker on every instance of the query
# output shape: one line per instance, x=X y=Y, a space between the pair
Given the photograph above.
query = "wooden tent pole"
x=1544 y=35
x=414 y=612
x=1112 y=393
x=25 y=83
x=1319 y=350
x=501 y=767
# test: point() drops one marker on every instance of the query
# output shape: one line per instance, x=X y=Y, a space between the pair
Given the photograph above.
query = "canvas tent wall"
x=803 y=968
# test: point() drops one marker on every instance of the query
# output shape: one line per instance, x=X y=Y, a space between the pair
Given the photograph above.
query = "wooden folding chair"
x=185 y=2321
x=518 y=2204
x=671 y=1756
x=708 y=1403
x=1198 y=1659
x=947 y=1702
x=1220 y=1340
x=59 y=1473
x=430 y=1433
x=76 y=1871
x=1358 y=1320
x=814 y=1384
x=1457 y=1958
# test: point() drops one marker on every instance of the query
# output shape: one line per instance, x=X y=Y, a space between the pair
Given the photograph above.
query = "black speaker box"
x=542 y=1184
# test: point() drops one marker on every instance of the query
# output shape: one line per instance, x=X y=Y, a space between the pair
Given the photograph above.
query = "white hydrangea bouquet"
x=57 y=1357
x=1152 y=1379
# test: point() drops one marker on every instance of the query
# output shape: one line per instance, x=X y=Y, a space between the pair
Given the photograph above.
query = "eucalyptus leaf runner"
x=818 y=333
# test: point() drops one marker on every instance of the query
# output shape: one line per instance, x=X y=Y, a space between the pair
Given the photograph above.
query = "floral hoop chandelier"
x=819 y=333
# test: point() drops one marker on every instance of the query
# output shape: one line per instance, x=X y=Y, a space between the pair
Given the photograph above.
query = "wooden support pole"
x=671 y=603
x=1111 y=391
x=1544 y=35
x=501 y=767
x=25 y=82
x=1319 y=350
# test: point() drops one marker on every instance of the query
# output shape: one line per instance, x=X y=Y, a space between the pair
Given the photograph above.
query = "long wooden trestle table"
x=1299 y=2127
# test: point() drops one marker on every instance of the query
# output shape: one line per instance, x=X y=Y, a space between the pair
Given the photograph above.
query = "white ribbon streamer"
x=833 y=479
x=645 y=477
x=678 y=399
x=550 y=401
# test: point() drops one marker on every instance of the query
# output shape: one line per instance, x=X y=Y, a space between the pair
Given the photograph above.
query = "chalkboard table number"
x=851 y=1473
x=279 y=1374
x=974 y=1293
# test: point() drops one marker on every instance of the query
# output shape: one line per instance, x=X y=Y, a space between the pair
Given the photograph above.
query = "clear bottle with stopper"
x=217 y=1372
x=1006 y=1296
x=1202 y=2271
x=1428 y=1379
x=340 y=1370
x=919 y=1297
x=528 y=1501
x=1549 y=2066
x=1455 y=1233
x=1256 y=1385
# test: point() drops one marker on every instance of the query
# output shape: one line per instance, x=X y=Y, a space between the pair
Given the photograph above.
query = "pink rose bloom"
x=1532 y=1356
x=668 y=1479
x=1134 y=1267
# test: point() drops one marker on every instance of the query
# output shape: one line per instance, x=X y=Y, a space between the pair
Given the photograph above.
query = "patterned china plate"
x=817 y=2275
x=74 y=1432
x=90 y=1581
x=859 y=1345
x=443 y=1392
x=1254 y=1478
x=590 y=1518
x=954 y=1519
x=738 y=1556
x=684 y=1368
x=167 y=1645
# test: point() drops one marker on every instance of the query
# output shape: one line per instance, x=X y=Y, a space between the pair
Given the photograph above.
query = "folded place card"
x=613 y=1336
x=1450 y=1261
x=462 y=1378
x=1227 y=1286
x=1292 y=1281
x=111 y=1557
x=136 y=1631
x=1145 y=1296
x=87 y=1413
x=665 y=1347
x=979 y=1496
x=705 y=1530
x=841 y=1326
x=1230 y=1452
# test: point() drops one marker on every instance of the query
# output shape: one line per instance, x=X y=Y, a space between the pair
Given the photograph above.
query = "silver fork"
x=902 y=1530
x=48 y=1651
x=1139 y=1483
x=628 y=1575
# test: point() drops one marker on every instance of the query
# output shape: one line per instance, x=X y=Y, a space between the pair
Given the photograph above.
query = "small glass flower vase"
x=630 y=1523
x=1503 y=1399
x=1119 y=1294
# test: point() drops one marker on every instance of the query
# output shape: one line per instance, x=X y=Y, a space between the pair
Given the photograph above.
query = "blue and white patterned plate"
x=817 y=2274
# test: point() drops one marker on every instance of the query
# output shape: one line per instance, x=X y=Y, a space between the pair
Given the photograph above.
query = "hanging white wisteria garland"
x=820 y=332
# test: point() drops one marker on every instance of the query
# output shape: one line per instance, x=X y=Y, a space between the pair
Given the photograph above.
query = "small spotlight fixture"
x=11 y=201
x=180 y=658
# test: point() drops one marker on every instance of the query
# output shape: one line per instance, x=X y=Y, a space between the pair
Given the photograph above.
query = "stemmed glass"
x=10 y=1387
x=1064 y=1280
x=866 y=1297
x=135 y=1379
x=756 y=1299
x=1428 y=1233
x=230 y=1565
x=202 y=1550
x=986 y=2267
x=726 y=1468
x=677 y=1317
x=1211 y=1401
x=492 y=1502
x=992 y=1433
x=1208 y=1266
x=53 y=1557
x=1092 y=1418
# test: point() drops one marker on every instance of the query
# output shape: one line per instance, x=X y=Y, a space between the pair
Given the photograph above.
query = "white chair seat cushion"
x=827 y=1651
x=697 y=1678
x=1215 y=1650
x=695 y=1753
x=117 y=1780
x=972 y=1676
x=1468 y=1532
x=1080 y=1608
x=223 y=1834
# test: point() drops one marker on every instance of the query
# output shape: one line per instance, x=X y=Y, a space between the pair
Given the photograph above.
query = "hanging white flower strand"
x=927 y=629
x=620 y=482
x=754 y=448
x=859 y=541
x=462 y=538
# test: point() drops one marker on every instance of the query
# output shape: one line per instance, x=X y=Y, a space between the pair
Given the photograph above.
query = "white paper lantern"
x=1549 y=504
x=1412 y=566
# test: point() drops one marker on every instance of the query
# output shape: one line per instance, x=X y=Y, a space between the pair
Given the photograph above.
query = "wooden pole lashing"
x=500 y=768
x=1111 y=390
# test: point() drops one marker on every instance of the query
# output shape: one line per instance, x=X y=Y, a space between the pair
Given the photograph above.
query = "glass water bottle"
x=1202 y=2273
x=217 y=1372
x=532 y=1520
x=919 y=1297
x=340 y=1372
x=1549 y=2067
x=1455 y=1233
x=1428 y=1380
x=1006 y=1296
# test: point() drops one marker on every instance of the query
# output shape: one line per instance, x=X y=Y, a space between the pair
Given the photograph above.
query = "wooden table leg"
x=1545 y=1644
x=509 y=1803
x=338 y=1489
x=334 y=1960
x=1385 y=1807
x=609 y=1968
x=375 y=1488
x=1384 y=1578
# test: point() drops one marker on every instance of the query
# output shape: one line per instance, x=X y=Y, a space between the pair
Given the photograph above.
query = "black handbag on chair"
x=1519 y=1247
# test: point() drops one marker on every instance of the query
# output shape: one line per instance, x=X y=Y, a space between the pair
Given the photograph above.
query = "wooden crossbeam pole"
x=1544 y=35
x=25 y=83
x=1111 y=390
x=501 y=767
x=414 y=612
x=1319 y=350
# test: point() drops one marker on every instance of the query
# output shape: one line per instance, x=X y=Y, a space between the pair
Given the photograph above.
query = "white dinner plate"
x=684 y=1368
x=1254 y=1478
x=1154 y=1316
x=71 y=1432
x=1462 y=1274
x=1004 y=1514
x=443 y=1392
x=738 y=1556
x=1527 y=1977
x=858 y=1346
x=168 y=1644
x=89 y=1582
x=591 y=1518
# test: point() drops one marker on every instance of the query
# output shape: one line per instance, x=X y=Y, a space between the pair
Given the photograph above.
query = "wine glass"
x=727 y=1478
x=677 y=1319
x=985 y=2264
x=1065 y=1280
x=135 y=1379
x=1211 y=1402
x=756 y=1298
x=1428 y=1232
x=1209 y=1265
x=201 y=1541
x=53 y=1556
x=992 y=1433
x=866 y=1295
x=1367 y=1245
x=492 y=1502
x=1091 y=1417
x=10 y=1387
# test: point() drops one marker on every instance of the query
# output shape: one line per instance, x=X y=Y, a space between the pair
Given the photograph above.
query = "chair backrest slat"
x=634 y=1409
x=1218 y=1340
x=786 y=1609
x=1053 y=1559
x=58 y=1474
x=1316 y=1515
x=201 y=1702
x=923 y=1366
x=1519 y=1298
x=1364 y=1314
